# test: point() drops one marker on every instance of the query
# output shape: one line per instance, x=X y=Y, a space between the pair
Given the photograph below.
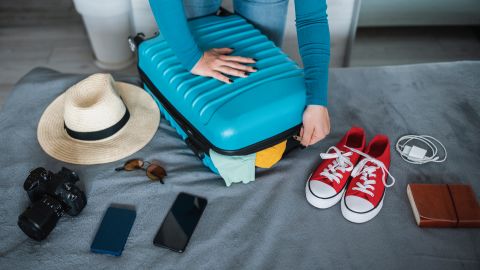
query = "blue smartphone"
x=113 y=231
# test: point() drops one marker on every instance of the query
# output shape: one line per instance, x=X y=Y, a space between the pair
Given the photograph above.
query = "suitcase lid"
x=244 y=117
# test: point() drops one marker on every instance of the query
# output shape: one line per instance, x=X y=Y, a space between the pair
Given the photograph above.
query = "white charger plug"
x=414 y=152
x=418 y=155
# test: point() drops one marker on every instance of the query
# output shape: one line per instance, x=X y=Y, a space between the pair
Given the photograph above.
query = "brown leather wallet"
x=444 y=205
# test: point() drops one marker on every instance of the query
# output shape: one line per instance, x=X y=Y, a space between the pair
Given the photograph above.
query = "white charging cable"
x=416 y=154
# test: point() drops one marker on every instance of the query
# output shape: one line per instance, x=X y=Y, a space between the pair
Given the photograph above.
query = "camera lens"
x=38 y=220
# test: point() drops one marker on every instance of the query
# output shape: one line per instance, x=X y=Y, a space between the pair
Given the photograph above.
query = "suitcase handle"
x=134 y=42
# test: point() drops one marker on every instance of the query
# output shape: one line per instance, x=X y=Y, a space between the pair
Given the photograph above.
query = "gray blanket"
x=267 y=224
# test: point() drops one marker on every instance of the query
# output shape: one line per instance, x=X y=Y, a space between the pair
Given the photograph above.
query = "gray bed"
x=267 y=224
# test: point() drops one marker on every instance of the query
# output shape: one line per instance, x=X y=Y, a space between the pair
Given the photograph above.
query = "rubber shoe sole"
x=357 y=217
x=321 y=202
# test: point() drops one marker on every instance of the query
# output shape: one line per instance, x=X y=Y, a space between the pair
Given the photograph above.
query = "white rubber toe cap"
x=358 y=204
x=320 y=189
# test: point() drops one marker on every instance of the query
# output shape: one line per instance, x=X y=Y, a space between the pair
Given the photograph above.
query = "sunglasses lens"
x=133 y=164
x=156 y=172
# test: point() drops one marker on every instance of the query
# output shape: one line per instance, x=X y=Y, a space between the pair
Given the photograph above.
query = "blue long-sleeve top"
x=312 y=33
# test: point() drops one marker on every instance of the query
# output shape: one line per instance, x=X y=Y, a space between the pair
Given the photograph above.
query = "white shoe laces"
x=341 y=163
x=368 y=172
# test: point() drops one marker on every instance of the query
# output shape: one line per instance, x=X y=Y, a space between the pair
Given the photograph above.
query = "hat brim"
x=137 y=132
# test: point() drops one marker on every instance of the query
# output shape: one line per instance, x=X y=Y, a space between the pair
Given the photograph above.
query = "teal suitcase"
x=241 y=118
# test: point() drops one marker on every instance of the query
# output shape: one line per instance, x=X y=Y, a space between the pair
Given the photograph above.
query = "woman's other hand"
x=316 y=124
x=217 y=63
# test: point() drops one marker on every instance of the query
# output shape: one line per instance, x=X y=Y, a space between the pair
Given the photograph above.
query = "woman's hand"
x=216 y=63
x=316 y=124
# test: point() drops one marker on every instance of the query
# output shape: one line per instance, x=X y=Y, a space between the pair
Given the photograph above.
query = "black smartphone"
x=113 y=231
x=180 y=222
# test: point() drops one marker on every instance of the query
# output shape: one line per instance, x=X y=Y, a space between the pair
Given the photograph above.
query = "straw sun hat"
x=97 y=121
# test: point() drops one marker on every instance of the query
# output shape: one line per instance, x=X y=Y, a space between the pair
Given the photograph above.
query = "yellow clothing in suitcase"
x=270 y=156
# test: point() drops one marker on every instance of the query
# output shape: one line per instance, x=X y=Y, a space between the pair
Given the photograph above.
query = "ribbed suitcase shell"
x=244 y=117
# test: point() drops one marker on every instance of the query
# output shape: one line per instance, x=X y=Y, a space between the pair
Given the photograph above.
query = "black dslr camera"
x=52 y=195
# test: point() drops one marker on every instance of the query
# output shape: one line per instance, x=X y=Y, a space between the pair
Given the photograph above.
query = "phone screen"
x=180 y=222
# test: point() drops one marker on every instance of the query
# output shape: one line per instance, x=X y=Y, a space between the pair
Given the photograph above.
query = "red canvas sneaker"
x=327 y=183
x=365 y=193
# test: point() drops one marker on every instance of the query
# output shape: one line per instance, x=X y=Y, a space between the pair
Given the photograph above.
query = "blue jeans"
x=267 y=15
